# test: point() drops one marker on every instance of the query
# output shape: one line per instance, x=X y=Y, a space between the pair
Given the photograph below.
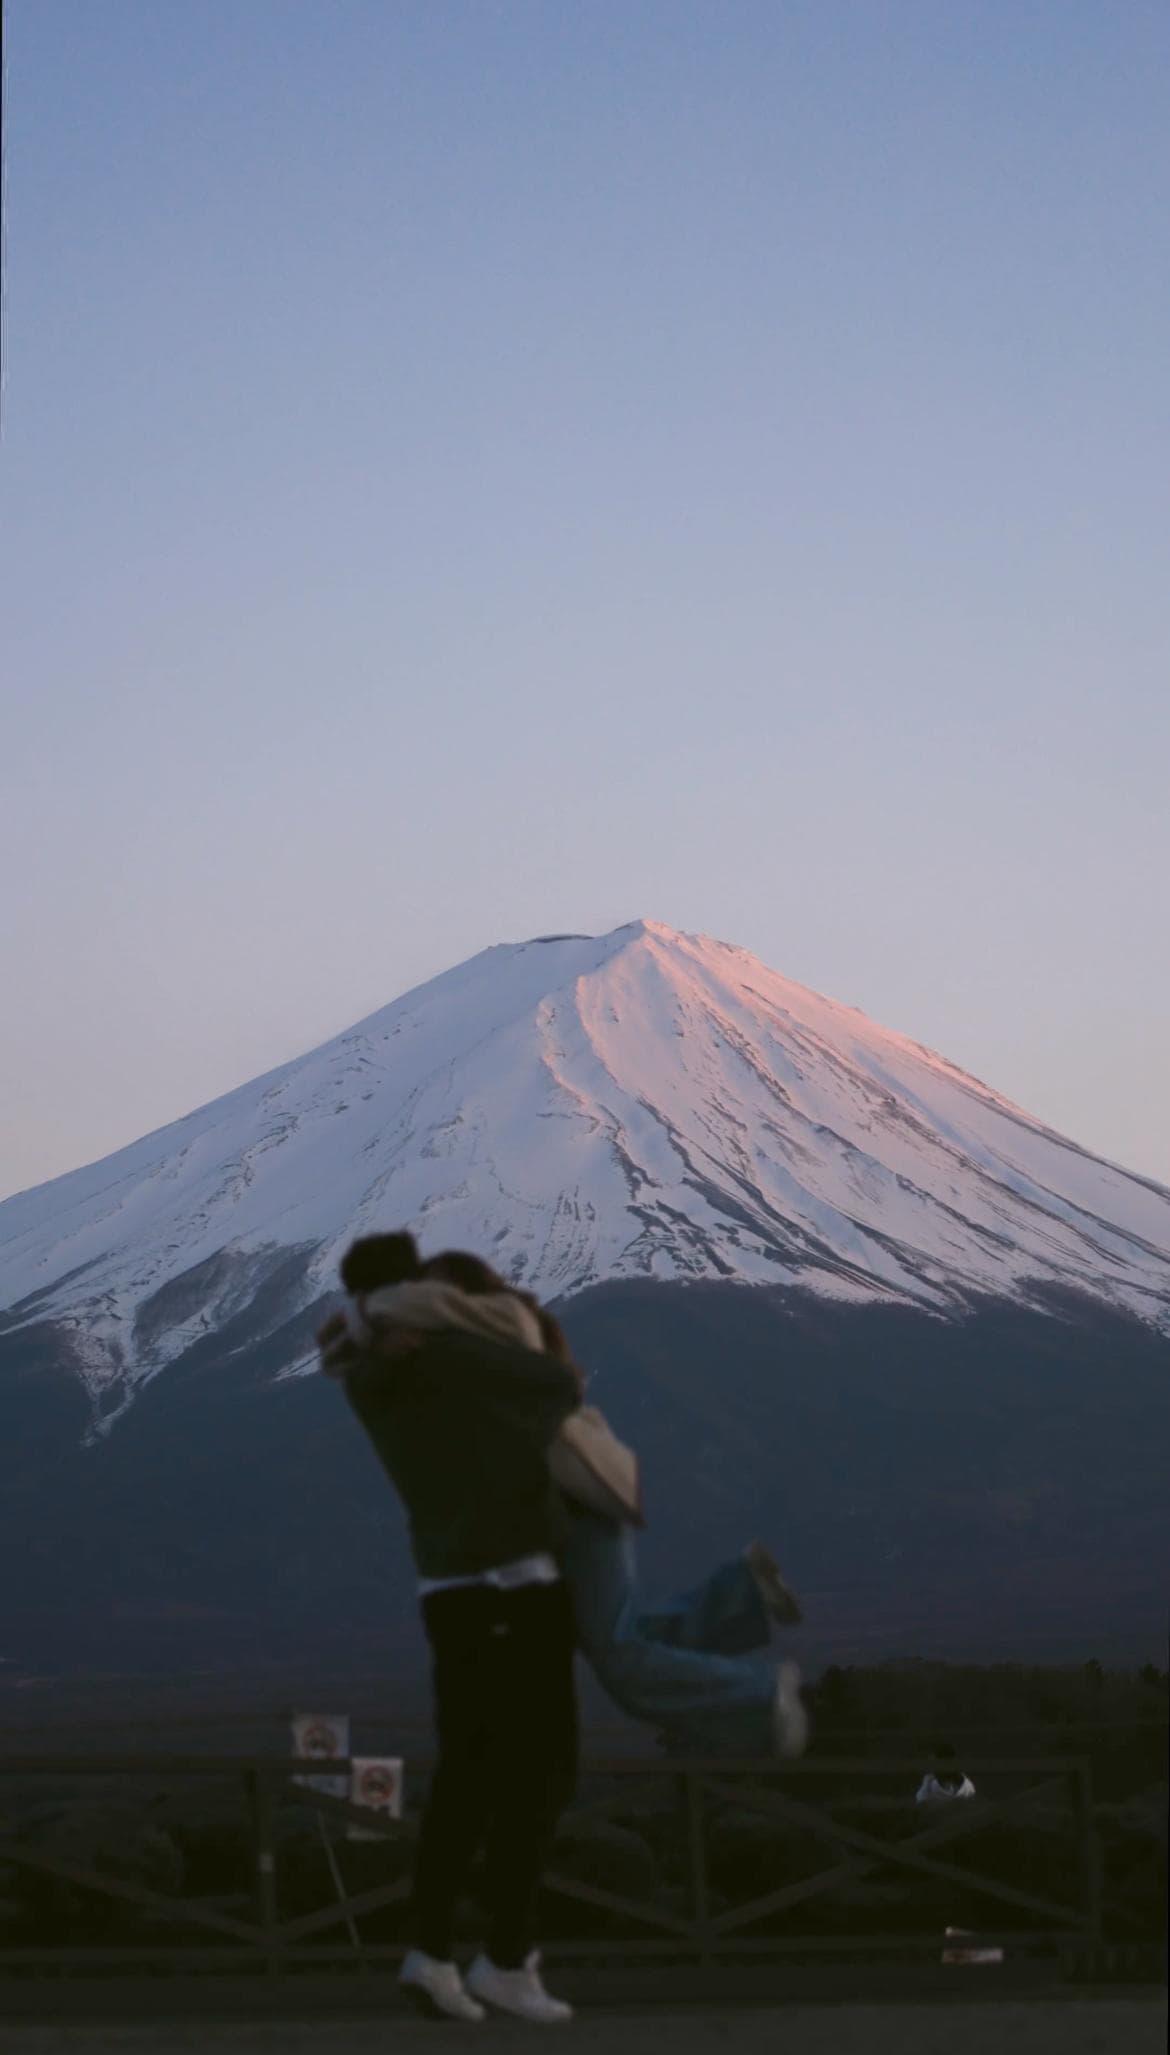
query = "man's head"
x=376 y=1260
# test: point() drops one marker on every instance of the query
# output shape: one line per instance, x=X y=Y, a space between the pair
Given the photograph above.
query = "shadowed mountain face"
x=978 y=1488
x=991 y=1484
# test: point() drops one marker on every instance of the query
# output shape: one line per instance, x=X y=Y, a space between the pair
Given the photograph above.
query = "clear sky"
x=474 y=468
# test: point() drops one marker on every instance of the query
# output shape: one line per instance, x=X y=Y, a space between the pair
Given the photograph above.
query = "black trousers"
x=506 y=1715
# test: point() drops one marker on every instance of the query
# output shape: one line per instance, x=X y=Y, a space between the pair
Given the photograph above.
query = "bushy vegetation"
x=1117 y=1719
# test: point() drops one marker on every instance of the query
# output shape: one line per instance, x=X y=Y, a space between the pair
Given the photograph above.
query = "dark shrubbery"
x=193 y=1840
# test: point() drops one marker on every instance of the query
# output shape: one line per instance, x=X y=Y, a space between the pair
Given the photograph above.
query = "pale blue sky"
x=478 y=467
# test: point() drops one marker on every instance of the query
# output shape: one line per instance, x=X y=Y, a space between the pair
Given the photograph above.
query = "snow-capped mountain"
x=953 y=1426
x=584 y=1109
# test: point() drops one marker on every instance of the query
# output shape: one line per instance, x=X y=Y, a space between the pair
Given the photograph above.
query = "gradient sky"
x=474 y=468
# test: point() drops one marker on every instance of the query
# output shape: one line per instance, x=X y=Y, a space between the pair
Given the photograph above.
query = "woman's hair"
x=380 y=1259
x=552 y=1334
x=469 y=1273
x=473 y=1275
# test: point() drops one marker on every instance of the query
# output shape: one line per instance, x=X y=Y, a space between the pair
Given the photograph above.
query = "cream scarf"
x=429 y=1306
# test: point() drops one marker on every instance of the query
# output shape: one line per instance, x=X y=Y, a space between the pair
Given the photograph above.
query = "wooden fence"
x=694 y=1861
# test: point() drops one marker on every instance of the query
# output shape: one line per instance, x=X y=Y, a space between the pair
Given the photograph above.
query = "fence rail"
x=703 y=1861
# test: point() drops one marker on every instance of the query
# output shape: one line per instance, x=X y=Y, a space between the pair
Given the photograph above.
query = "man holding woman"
x=462 y=1422
x=463 y=1385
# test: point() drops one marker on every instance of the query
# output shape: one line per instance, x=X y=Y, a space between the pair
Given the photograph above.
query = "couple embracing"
x=521 y=1511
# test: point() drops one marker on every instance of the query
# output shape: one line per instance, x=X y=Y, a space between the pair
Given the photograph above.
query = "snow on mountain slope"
x=642 y=1103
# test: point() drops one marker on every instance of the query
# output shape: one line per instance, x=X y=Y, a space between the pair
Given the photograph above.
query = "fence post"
x=1090 y=1850
x=697 y=1850
x=260 y=1806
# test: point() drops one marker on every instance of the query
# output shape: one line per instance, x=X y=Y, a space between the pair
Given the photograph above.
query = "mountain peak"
x=645 y=1103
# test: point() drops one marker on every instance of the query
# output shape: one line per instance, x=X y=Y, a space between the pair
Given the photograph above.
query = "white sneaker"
x=789 y=1718
x=437 y=1987
x=518 y=1991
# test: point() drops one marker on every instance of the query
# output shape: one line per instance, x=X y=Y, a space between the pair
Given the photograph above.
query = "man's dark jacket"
x=462 y=1427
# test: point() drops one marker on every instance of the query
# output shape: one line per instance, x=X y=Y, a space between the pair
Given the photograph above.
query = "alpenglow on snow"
x=581 y=1109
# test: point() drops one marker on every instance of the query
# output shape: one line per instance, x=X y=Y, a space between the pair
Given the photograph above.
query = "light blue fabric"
x=690 y=1667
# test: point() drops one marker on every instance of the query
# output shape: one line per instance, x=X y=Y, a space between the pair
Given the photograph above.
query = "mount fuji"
x=769 y=1224
x=643 y=1105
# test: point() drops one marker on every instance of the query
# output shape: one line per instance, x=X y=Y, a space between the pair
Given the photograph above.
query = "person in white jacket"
x=947 y=1781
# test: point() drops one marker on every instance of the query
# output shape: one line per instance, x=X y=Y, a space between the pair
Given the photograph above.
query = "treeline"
x=933 y=1698
x=1116 y=1719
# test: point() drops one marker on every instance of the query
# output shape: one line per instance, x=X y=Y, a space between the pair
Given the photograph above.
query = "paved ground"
x=1067 y=2026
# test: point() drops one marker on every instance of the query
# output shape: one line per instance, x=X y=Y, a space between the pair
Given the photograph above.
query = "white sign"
x=375 y=1782
x=322 y=1737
